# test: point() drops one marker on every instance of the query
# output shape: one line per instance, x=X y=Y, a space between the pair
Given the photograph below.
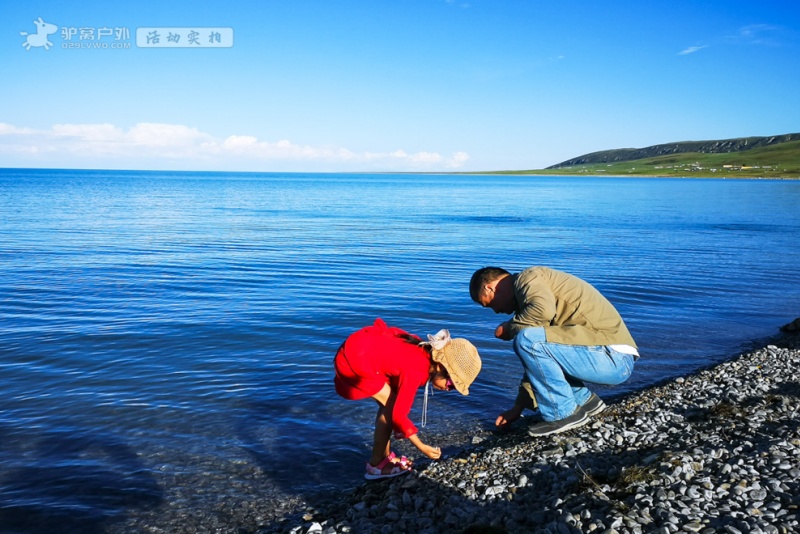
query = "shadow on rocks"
x=715 y=450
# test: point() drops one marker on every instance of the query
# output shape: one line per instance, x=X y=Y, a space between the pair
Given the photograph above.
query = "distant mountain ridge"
x=704 y=147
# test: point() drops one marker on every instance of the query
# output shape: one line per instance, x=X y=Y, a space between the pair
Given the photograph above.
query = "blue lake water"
x=166 y=338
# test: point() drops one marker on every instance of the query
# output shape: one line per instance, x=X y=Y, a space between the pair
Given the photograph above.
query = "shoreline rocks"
x=717 y=451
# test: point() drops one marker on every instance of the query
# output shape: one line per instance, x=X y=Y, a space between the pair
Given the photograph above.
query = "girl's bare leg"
x=381 y=446
x=383 y=427
x=382 y=436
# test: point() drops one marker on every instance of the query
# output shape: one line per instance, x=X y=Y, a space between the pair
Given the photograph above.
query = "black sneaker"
x=593 y=406
x=545 y=428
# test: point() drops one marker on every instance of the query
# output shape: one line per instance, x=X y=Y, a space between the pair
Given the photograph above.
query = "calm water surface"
x=166 y=338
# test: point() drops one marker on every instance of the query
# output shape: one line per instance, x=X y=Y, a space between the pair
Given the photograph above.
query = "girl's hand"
x=434 y=453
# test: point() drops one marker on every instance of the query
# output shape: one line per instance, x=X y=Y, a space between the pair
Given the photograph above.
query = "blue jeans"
x=557 y=372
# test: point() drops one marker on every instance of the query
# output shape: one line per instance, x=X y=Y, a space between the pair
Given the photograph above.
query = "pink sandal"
x=402 y=461
x=376 y=472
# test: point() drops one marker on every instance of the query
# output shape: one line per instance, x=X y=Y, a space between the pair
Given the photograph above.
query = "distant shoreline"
x=578 y=174
x=535 y=172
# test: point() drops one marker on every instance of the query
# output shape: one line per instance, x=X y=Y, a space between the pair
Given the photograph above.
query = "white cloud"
x=760 y=34
x=458 y=159
x=750 y=35
x=88 y=132
x=153 y=144
x=690 y=50
x=165 y=135
x=240 y=142
x=249 y=146
x=8 y=129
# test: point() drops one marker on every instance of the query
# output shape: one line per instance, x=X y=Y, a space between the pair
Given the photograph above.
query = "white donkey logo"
x=43 y=29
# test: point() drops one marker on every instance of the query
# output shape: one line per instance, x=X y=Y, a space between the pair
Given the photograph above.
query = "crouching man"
x=565 y=333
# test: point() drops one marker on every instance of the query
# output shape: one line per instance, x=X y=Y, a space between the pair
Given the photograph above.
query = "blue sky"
x=411 y=85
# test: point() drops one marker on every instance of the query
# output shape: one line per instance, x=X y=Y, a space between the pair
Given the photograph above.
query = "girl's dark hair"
x=414 y=340
x=408 y=338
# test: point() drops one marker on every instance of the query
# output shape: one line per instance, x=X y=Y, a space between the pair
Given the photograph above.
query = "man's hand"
x=505 y=419
x=502 y=331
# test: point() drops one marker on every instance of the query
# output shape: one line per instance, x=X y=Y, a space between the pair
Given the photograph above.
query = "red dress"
x=374 y=356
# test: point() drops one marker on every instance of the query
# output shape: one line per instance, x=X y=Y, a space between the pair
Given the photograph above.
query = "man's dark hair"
x=482 y=277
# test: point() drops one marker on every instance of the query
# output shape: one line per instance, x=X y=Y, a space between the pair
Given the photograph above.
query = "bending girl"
x=389 y=365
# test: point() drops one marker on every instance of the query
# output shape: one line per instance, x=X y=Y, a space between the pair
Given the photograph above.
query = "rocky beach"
x=716 y=451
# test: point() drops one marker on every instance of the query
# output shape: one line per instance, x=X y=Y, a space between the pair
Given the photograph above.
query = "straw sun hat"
x=458 y=356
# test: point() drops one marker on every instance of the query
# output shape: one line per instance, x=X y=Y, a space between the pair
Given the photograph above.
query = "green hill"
x=750 y=157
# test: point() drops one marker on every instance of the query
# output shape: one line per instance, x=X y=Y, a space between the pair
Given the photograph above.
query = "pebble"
x=715 y=451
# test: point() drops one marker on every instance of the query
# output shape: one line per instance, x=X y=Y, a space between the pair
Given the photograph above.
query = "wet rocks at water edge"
x=718 y=451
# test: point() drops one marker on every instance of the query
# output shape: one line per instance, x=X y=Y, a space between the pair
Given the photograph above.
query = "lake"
x=167 y=337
